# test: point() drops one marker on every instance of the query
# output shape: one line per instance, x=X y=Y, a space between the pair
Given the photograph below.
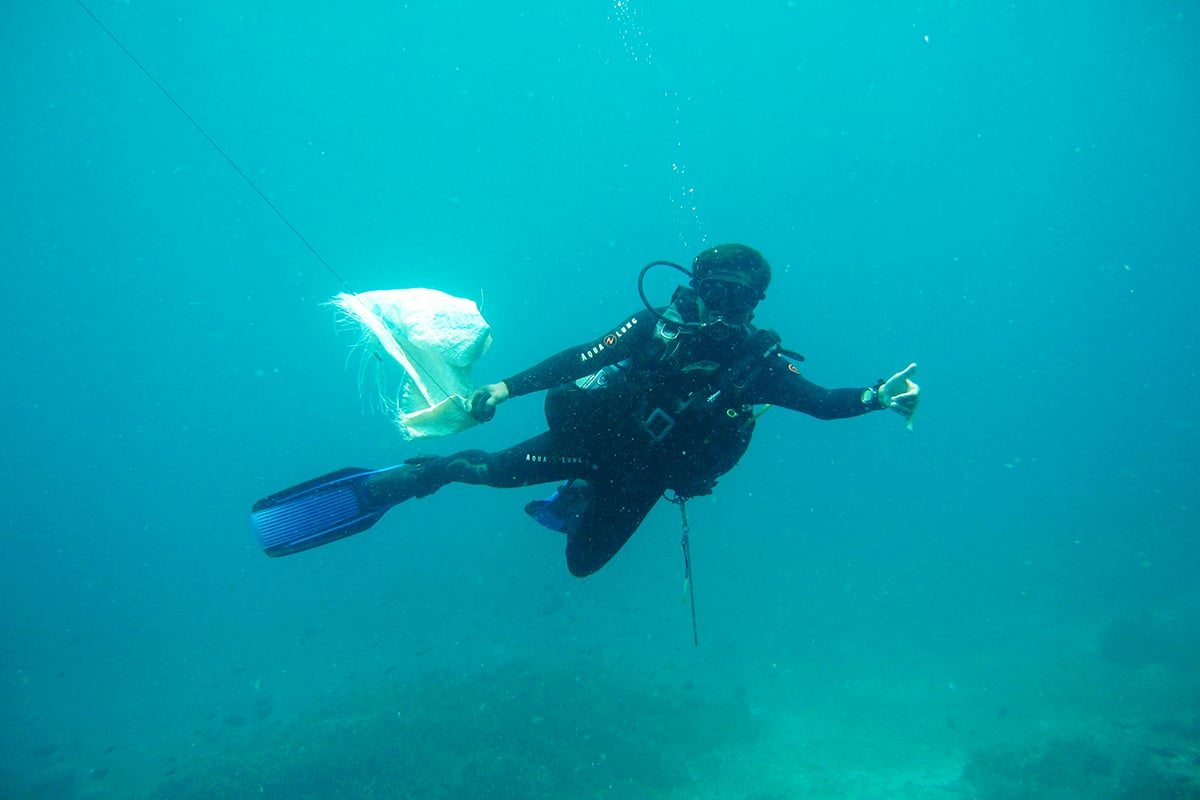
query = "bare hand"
x=901 y=394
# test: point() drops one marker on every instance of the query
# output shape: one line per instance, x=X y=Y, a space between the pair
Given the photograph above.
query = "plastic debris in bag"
x=425 y=342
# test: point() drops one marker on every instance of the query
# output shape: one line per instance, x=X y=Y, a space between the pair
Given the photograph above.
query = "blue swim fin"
x=563 y=510
x=316 y=512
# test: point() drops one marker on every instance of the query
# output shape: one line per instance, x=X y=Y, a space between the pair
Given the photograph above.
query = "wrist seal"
x=873 y=397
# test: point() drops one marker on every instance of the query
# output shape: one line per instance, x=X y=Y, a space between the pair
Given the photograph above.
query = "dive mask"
x=727 y=297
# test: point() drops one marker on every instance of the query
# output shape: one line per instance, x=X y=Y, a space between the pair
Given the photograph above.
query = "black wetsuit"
x=675 y=415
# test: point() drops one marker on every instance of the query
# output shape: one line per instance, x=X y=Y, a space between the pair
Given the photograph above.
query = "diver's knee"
x=581 y=568
x=582 y=563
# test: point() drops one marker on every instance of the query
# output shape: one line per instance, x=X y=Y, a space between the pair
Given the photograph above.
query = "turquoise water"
x=1001 y=604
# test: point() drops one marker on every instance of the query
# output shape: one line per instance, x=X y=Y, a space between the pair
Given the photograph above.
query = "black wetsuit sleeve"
x=618 y=344
x=781 y=384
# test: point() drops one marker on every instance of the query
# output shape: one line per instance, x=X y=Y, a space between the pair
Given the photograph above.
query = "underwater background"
x=1001 y=604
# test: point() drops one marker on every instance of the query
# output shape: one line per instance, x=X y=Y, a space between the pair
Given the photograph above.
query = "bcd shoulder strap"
x=760 y=347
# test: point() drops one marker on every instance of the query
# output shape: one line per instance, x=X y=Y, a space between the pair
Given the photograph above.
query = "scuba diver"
x=663 y=402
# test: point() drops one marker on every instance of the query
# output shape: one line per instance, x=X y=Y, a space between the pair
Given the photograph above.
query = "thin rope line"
x=416 y=366
x=216 y=146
